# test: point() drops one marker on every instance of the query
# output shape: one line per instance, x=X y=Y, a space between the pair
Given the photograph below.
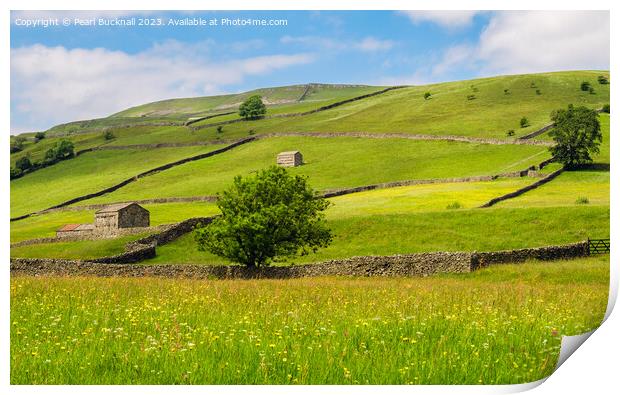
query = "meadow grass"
x=500 y=325
x=335 y=163
x=82 y=249
x=87 y=173
x=447 y=230
x=565 y=190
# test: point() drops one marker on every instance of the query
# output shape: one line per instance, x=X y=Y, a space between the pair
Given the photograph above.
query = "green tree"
x=585 y=86
x=39 y=136
x=108 y=135
x=252 y=108
x=524 y=122
x=23 y=163
x=603 y=80
x=577 y=134
x=427 y=95
x=17 y=144
x=266 y=217
x=61 y=150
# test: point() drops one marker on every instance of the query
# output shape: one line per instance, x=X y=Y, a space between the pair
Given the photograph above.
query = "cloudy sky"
x=60 y=74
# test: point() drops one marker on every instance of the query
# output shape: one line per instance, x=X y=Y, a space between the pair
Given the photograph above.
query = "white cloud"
x=371 y=44
x=453 y=57
x=449 y=19
x=54 y=84
x=535 y=41
x=368 y=44
x=516 y=42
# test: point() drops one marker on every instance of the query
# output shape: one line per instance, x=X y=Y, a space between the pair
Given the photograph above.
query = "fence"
x=598 y=246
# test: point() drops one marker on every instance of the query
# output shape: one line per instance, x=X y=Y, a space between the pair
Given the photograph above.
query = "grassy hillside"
x=87 y=173
x=492 y=113
x=336 y=163
x=271 y=96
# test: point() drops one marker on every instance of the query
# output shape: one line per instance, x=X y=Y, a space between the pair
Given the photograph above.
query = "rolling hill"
x=350 y=136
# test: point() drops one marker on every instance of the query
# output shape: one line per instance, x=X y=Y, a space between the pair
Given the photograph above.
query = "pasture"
x=500 y=325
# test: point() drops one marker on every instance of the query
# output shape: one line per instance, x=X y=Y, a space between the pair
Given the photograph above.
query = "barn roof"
x=69 y=227
x=72 y=227
x=117 y=207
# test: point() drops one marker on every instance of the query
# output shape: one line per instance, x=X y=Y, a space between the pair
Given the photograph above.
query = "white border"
x=592 y=368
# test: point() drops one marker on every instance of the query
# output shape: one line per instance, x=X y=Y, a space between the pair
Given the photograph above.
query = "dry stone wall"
x=423 y=264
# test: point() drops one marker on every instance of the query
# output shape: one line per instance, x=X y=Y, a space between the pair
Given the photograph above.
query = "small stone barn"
x=290 y=159
x=75 y=231
x=111 y=219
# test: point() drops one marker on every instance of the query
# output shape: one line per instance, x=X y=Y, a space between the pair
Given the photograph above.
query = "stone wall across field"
x=410 y=265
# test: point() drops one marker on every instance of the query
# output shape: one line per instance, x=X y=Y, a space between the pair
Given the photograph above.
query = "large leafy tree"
x=266 y=217
x=252 y=108
x=577 y=134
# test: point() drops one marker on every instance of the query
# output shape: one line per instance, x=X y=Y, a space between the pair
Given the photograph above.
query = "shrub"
x=17 y=144
x=603 y=80
x=266 y=217
x=524 y=122
x=582 y=200
x=577 y=134
x=39 y=136
x=109 y=135
x=506 y=91
x=23 y=164
x=61 y=150
x=510 y=133
x=474 y=88
x=585 y=86
x=252 y=108
x=532 y=85
x=471 y=97
x=591 y=90
x=15 y=173
x=219 y=129
x=606 y=109
x=454 y=206
x=251 y=132
x=538 y=92
x=427 y=95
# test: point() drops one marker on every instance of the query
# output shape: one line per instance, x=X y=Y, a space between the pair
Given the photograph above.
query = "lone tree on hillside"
x=266 y=217
x=577 y=134
x=427 y=95
x=252 y=108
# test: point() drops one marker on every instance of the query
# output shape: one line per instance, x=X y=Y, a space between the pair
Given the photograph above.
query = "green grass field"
x=335 y=163
x=566 y=190
x=83 y=249
x=499 y=325
x=491 y=114
x=448 y=230
x=88 y=173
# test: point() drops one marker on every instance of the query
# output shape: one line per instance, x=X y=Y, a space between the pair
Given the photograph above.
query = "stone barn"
x=290 y=159
x=111 y=219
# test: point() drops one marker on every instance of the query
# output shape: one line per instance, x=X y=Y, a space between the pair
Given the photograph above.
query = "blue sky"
x=60 y=74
